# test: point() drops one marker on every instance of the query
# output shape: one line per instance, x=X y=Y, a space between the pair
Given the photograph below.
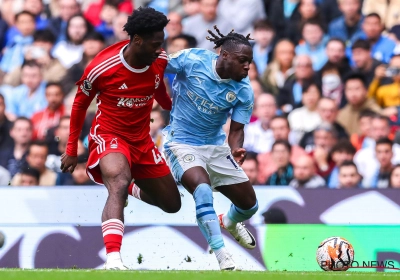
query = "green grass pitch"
x=63 y=274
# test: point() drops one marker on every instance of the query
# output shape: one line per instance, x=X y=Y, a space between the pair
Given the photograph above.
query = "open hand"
x=239 y=155
x=68 y=163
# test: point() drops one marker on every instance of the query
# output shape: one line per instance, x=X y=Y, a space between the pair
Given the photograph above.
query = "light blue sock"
x=206 y=217
x=238 y=215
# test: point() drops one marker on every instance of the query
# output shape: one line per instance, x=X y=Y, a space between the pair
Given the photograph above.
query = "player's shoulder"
x=107 y=58
x=162 y=59
x=194 y=54
x=244 y=90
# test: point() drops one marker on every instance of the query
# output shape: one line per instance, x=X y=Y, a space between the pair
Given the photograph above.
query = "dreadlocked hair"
x=232 y=39
x=145 y=21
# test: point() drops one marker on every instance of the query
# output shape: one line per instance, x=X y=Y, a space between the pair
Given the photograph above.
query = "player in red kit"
x=125 y=78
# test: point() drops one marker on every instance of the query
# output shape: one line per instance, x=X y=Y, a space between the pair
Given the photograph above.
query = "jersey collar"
x=214 y=64
x=121 y=55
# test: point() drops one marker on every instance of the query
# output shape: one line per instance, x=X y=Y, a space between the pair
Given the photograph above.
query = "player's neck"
x=221 y=72
x=132 y=59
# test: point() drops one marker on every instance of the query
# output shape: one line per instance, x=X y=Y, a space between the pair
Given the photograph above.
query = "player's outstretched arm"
x=83 y=98
x=235 y=141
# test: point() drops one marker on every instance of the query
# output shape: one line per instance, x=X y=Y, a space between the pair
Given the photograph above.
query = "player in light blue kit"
x=206 y=88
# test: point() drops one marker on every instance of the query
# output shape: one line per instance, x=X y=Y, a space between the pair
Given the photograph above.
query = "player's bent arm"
x=78 y=113
x=235 y=141
x=162 y=97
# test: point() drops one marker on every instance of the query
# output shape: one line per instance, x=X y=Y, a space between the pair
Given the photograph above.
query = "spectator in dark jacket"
x=348 y=26
x=289 y=96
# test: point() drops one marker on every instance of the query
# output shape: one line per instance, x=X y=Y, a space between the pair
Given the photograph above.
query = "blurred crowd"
x=325 y=76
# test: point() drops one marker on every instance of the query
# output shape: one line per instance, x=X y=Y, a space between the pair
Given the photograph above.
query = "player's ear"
x=224 y=54
x=137 y=40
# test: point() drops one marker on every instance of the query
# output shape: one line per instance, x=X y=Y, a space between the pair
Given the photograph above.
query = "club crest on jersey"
x=114 y=143
x=230 y=96
x=157 y=82
x=188 y=158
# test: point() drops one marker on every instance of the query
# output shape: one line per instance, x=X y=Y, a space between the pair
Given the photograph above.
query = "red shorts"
x=145 y=162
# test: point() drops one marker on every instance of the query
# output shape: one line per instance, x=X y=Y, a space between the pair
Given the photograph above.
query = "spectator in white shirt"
x=306 y=118
x=242 y=13
x=198 y=24
x=366 y=160
x=259 y=137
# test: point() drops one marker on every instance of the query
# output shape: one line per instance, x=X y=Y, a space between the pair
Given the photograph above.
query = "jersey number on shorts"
x=232 y=161
x=157 y=157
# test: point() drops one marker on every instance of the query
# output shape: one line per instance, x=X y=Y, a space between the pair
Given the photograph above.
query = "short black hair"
x=263 y=24
x=64 y=118
x=30 y=171
x=192 y=42
x=231 y=40
x=382 y=118
x=94 y=36
x=56 y=84
x=44 y=35
x=252 y=156
x=329 y=66
x=282 y=117
x=361 y=44
x=24 y=13
x=284 y=143
x=348 y=163
x=39 y=143
x=356 y=76
x=376 y=15
x=343 y=146
x=144 y=21
x=336 y=39
x=21 y=119
x=30 y=63
x=367 y=113
x=312 y=21
x=309 y=83
x=384 y=141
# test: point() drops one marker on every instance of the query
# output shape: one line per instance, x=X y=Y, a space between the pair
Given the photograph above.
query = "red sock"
x=113 y=230
x=134 y=190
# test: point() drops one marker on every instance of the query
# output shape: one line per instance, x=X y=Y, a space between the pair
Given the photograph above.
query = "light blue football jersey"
x=202 y=100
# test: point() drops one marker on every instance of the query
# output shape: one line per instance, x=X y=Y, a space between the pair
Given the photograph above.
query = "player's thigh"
x=242 y=195
x=163 y=191
x=187 y=164
x=229 y=178
x=115 y=172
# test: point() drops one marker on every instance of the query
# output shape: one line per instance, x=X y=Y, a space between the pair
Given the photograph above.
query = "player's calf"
x=232 y=221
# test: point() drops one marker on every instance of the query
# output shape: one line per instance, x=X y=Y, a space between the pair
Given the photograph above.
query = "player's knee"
x=173 y=207
x=118 y=186
x=203 y=194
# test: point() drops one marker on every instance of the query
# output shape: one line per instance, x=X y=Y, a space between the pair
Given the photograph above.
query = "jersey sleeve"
x=84 y=96
x=243 y=109
x=176 y=61
x=162 y=97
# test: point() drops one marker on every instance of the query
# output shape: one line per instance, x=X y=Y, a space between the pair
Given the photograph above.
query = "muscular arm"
x=162 y=97
x=78 y=114
x=235 y=141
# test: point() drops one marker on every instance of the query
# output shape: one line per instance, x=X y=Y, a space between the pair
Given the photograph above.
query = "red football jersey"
x=124 y=97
